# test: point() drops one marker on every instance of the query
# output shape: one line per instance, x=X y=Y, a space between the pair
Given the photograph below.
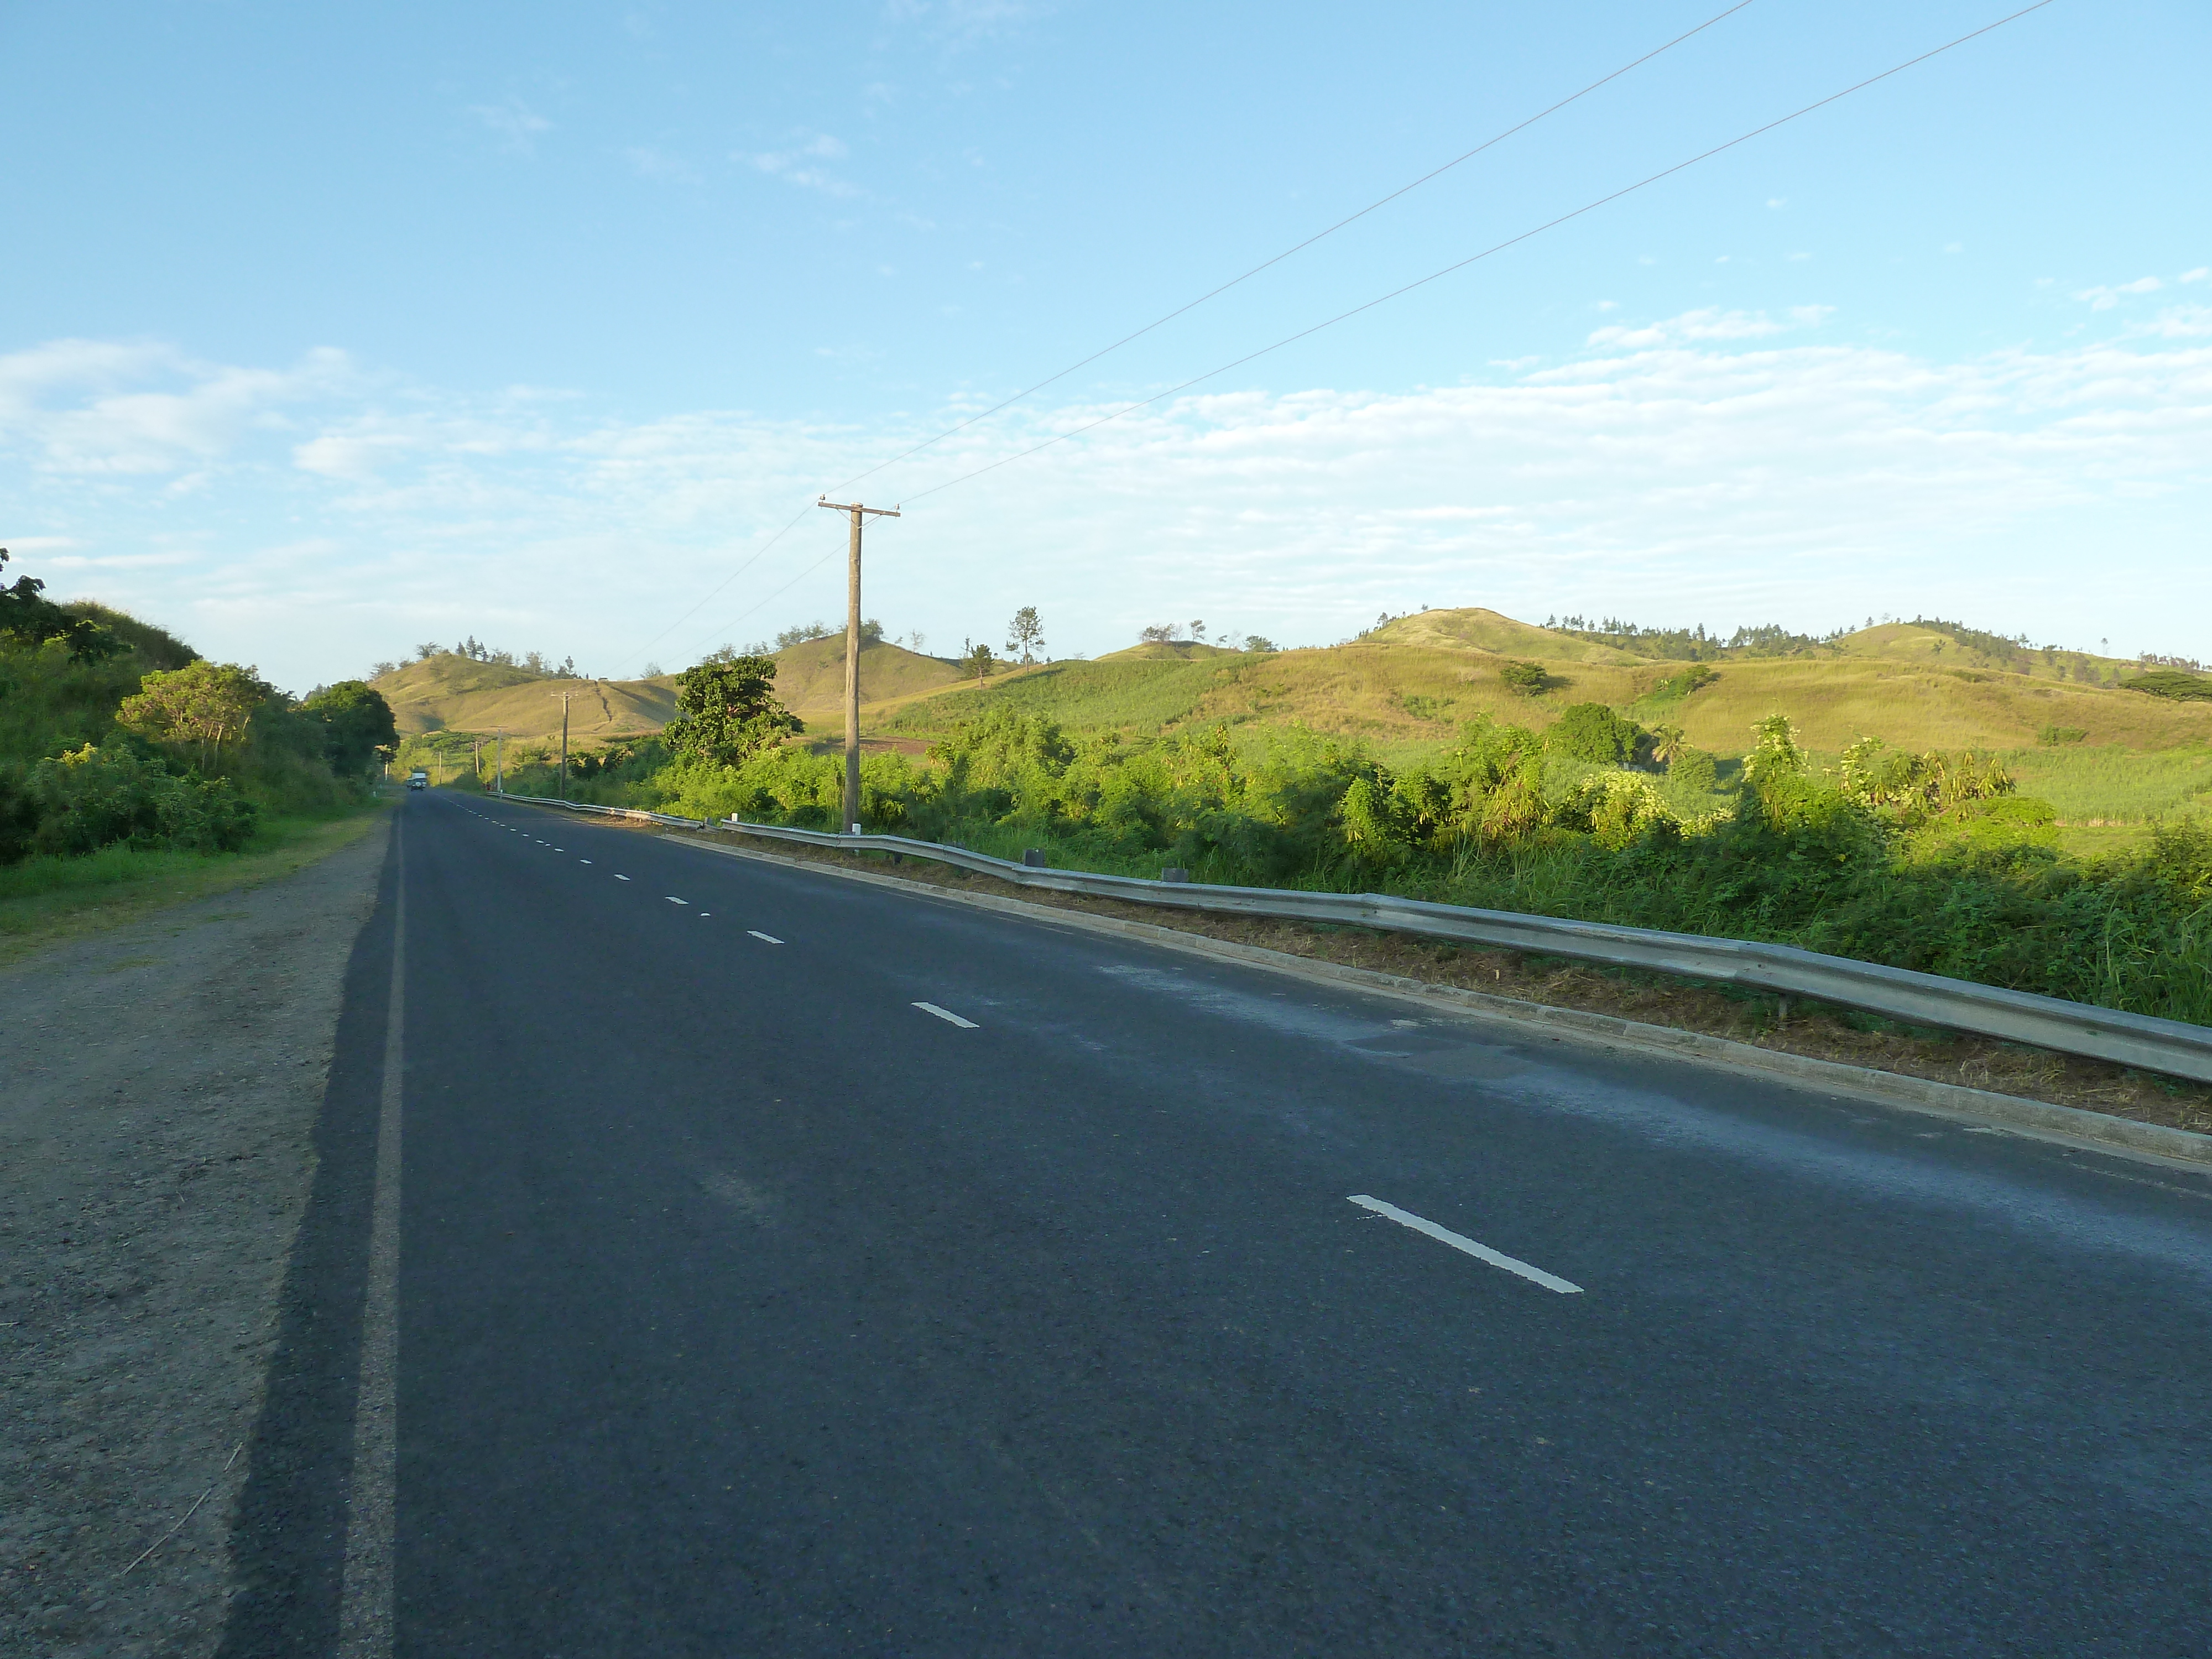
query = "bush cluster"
x=1923 y=861
x=91 y=797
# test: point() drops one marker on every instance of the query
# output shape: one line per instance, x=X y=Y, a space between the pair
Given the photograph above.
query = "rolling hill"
x=2101 y=753
x=449 y=693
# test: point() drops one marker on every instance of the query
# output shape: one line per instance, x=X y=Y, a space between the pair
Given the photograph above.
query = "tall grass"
x=2113 y=784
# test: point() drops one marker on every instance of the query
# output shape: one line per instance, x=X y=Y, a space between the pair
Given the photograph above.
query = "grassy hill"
x=810 y=677
x=1411 y=682
x=449 y=693
x=2100 y=753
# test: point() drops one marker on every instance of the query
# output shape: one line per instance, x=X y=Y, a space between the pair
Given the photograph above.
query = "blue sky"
x=326 y=330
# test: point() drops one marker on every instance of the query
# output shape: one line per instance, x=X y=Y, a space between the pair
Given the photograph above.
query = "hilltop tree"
x=358 y=726
x=1025 y=634
x=27 y=614
x=729 y=712
x=978 y=661
x=1159 y=633
x=203 y=702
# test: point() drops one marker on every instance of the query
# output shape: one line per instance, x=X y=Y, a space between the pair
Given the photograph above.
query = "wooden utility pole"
x=564 y=696
x=499 y=760
x=852 y=819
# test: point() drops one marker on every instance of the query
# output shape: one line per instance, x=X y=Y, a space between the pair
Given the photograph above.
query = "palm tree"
x=1671 y=742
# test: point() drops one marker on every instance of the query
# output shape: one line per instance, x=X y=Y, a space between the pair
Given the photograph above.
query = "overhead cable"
x=1211 y=293
x=1472 y=258
x=1320 y=235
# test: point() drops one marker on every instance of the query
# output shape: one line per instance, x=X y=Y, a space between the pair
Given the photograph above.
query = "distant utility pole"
x=852 y=655
x=564 y=696
x=499 y=760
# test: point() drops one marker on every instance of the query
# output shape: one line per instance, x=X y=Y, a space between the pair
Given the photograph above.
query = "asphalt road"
x=748 y=1306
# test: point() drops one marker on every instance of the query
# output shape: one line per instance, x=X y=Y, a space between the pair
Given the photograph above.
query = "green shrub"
x=95 y=798
x=1527 y=678
x=1593 y=732
x=2178 y=683
x=1694 y=769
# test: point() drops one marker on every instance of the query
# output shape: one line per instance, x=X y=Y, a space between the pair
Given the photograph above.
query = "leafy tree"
x=26 y=613
x=729 y=712
x=801 y=633
x=203 y=702
x=1258 y=642
x=1158 y=633
x=378 y=670
x=1775 y=754
x=359 y=729
x=1591 y=732
x=1198 y=628
x=1671 y=743
x=979 y=662
x=1025 y=634
x=1527 y=678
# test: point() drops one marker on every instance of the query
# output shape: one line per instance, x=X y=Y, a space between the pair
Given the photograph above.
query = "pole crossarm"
x=854 y=507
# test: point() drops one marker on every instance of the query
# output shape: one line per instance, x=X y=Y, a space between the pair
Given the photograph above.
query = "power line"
x=1472 y=258
x=1423 y=281
x=638 y=655
x=1380 y=202
x=1211 y=293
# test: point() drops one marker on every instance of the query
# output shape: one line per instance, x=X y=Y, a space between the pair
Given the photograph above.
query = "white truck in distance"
x=418 y=779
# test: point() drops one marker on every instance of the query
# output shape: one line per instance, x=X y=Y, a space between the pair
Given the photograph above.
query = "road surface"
x=774 y=1264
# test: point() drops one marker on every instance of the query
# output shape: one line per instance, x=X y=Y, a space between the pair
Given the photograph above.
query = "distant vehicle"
x=418 y=779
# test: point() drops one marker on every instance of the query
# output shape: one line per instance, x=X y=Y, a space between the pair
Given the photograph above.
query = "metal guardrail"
x=2170 y=1047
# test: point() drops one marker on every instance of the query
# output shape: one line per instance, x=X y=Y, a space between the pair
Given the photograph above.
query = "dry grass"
x=1816 y=1032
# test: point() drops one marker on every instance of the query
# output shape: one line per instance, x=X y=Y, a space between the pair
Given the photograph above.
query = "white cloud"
x=95 y=406
x=1708 y=325
x=2104 y=298
x=2198 y=274
x=650 y=161
x=797 y=165
x=513 y=123
x=1712 y=466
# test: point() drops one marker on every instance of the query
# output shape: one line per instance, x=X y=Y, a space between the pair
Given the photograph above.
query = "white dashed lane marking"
x=947 y=1015
x=765 y=939
x=1460 y=1241
x=621 y=877
x=672 y=899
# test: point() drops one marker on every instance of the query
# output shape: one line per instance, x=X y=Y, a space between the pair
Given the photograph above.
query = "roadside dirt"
x=159 y=1087
x=1818 y=1032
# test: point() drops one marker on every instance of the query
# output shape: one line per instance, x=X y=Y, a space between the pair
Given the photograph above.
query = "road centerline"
x=947 y=1015
x=1460 y=1241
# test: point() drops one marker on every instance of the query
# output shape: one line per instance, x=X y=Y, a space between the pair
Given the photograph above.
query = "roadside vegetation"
x=127 y=761
x=1932 y=860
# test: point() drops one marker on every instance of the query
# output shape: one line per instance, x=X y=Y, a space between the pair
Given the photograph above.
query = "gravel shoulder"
x=159 y=1088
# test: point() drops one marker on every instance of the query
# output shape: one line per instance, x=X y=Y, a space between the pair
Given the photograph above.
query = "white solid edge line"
x=1458 y=1241
x=765 y=939
x=947 y=1014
